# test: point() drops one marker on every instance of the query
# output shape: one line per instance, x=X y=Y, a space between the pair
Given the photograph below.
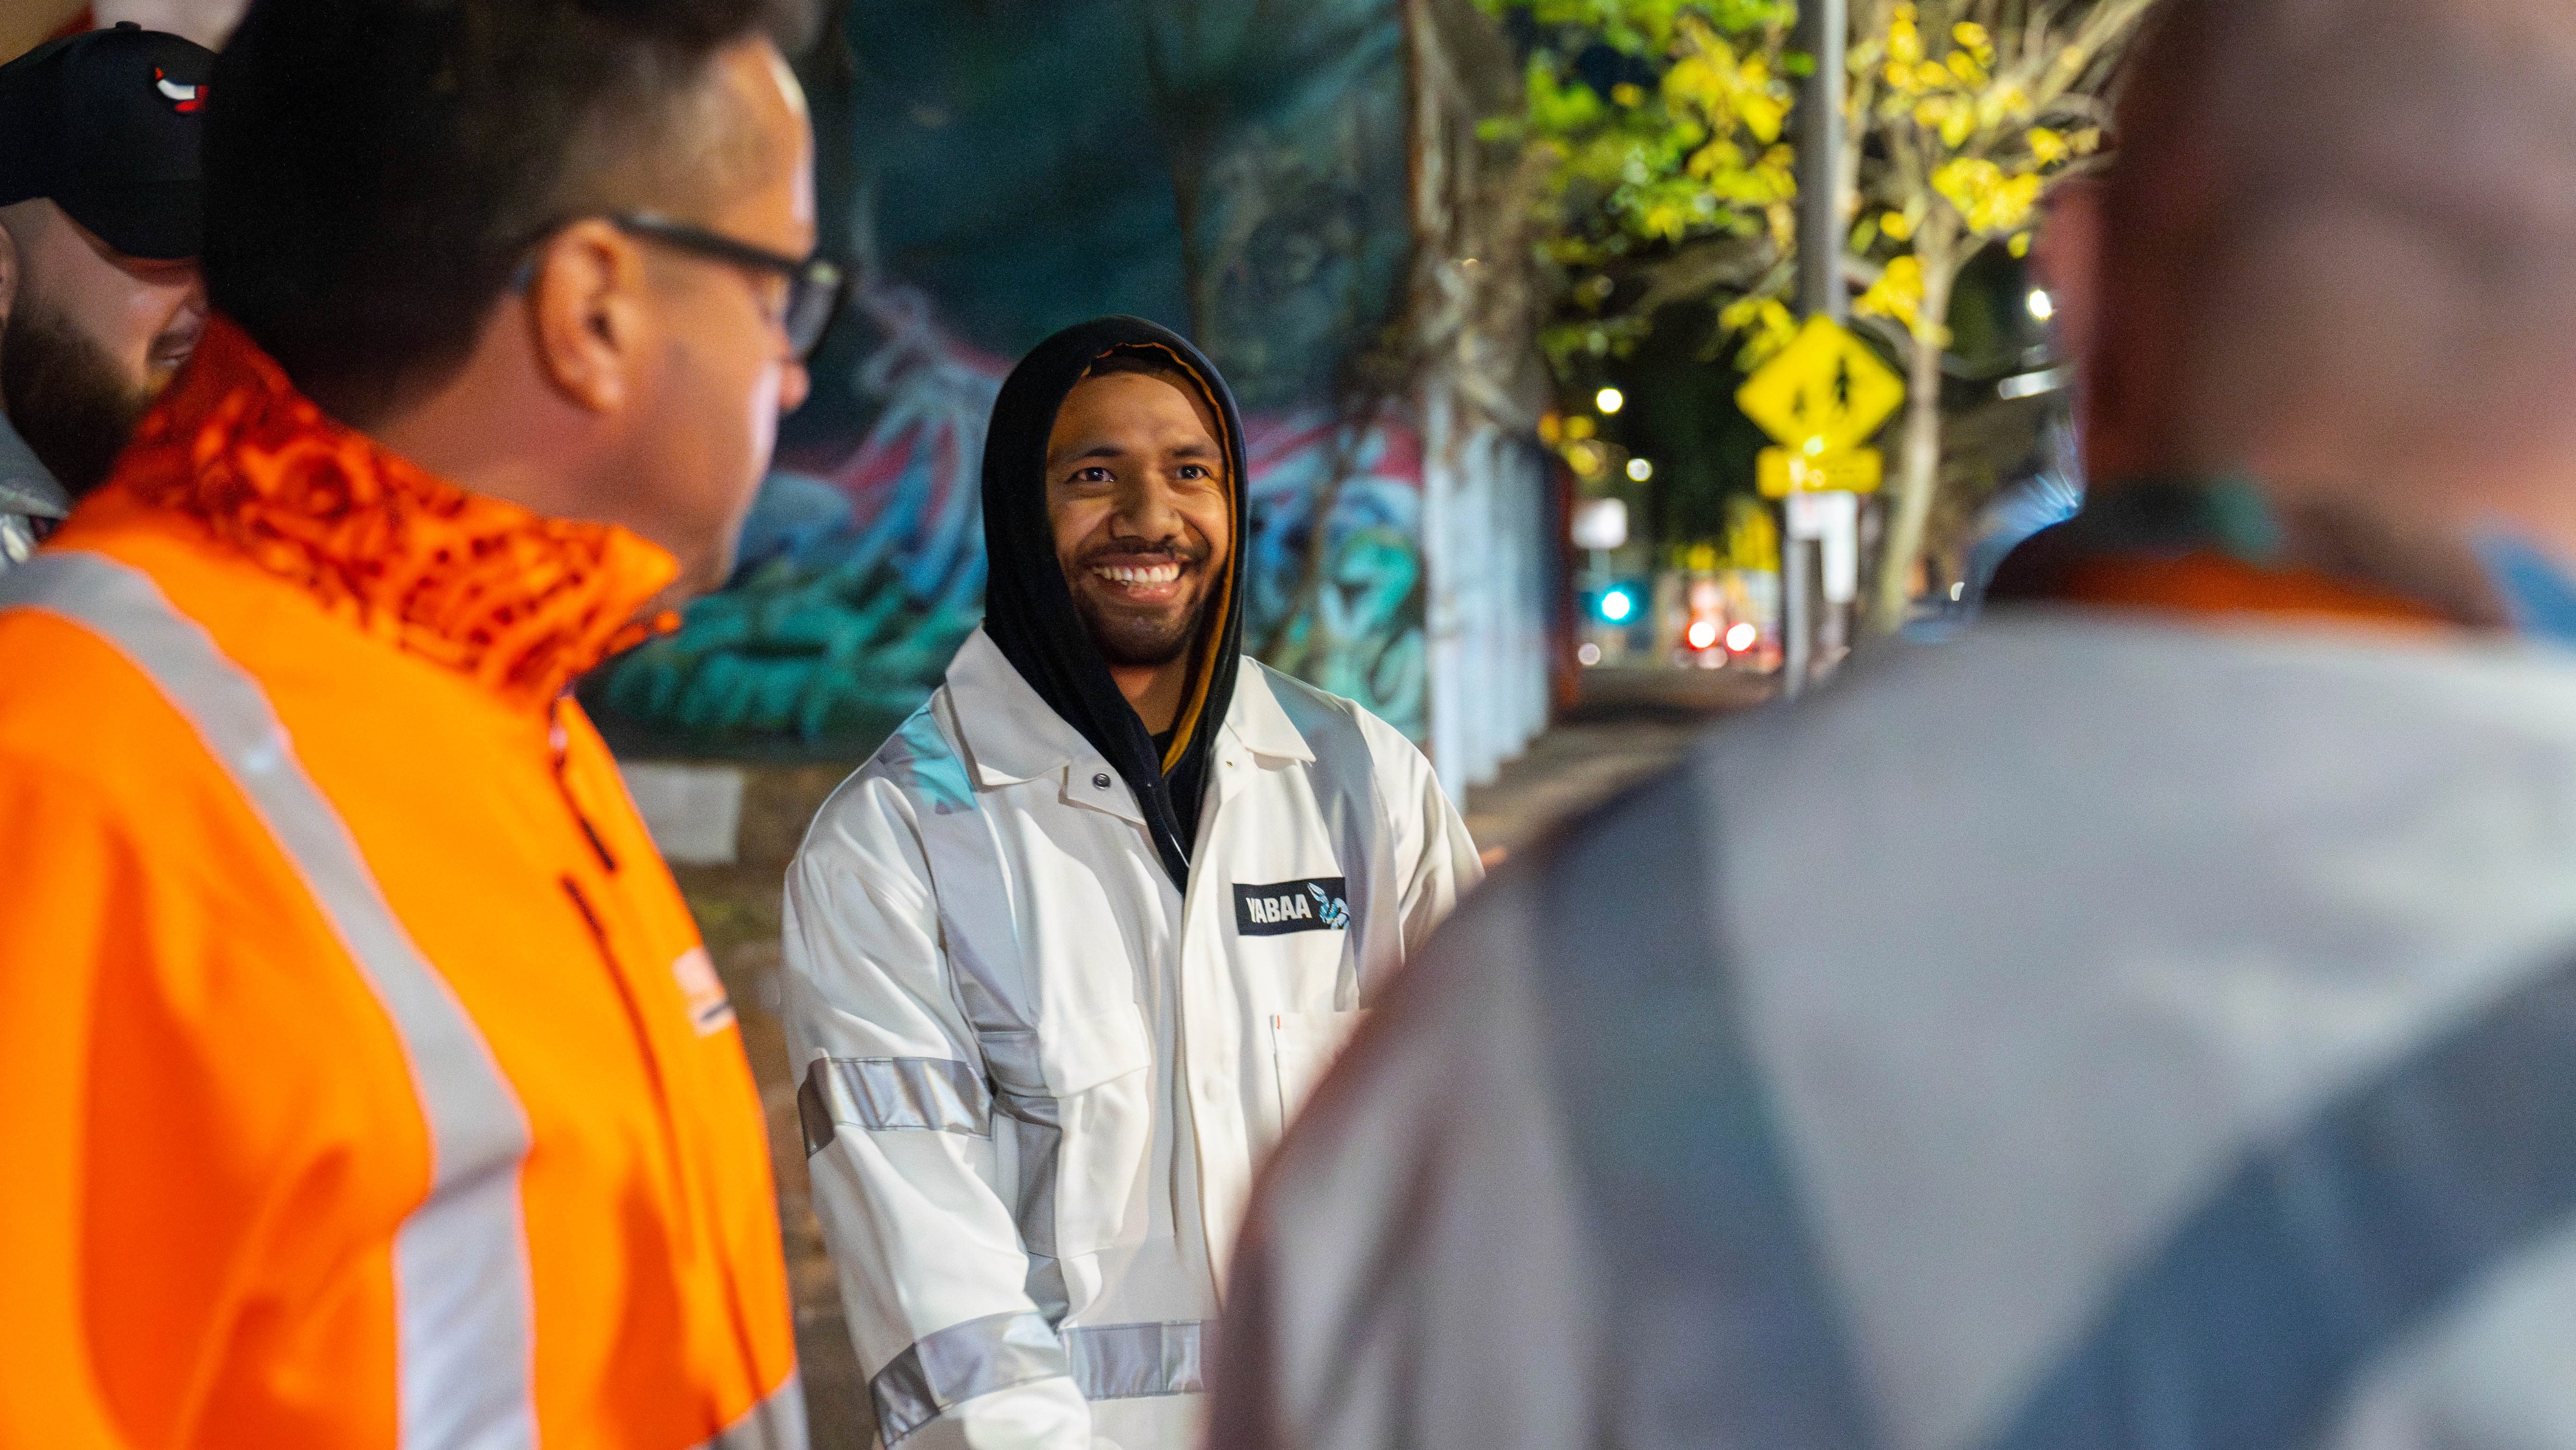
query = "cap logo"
x=183 y=99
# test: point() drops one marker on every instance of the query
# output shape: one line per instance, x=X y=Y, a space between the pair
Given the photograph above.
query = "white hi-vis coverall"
x=1036 y=1079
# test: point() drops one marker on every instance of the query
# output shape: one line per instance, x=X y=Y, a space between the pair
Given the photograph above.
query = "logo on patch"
x=182 y=99
x=1318 y=904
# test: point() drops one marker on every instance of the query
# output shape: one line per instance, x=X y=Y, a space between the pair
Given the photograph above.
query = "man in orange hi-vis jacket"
x=363 y=1082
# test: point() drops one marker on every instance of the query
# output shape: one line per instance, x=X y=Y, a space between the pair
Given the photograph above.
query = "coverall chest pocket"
x=1302 y=1047
x=1077 y=1100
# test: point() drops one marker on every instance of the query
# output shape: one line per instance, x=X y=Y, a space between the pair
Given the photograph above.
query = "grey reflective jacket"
x=2088 y=1034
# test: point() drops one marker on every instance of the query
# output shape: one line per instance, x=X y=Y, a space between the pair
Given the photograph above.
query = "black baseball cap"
x=107 y=124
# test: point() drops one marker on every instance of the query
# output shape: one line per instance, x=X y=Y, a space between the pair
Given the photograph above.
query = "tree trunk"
x=1919 y=462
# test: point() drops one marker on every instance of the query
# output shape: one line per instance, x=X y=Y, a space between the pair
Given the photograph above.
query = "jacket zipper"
x=699 y=1224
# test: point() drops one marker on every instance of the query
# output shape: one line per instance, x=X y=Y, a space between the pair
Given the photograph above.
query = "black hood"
x=1028 y=608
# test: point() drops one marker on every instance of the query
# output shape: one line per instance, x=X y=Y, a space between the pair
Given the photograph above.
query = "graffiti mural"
x=1232 y=168
x=1340 y=605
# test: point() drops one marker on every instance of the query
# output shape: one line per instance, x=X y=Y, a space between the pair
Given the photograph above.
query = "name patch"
x=1317 y=904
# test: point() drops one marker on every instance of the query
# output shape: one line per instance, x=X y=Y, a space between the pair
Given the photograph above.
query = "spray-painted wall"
x=995 y=170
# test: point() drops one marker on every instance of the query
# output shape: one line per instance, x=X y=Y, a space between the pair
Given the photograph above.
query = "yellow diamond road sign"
x=1827 y=393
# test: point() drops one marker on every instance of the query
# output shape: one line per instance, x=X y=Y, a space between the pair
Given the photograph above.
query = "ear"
x=588 y=316
x=2068 y=262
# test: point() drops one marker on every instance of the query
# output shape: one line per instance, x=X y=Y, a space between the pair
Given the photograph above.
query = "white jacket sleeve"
x=899 y=1131
x=1435 y=859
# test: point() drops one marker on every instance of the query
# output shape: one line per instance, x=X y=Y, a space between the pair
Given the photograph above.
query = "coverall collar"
x=1258 y=720
x=519 y=603
x=1012 y=738
x=2217 y=546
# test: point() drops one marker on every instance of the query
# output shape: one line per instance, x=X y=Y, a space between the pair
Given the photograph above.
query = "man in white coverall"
x=1064 y=956
x=2145 y=1023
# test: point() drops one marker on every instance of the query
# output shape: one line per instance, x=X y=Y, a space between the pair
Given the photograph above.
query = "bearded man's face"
x=66 y=396
x=1143 y=520
x=92 y=337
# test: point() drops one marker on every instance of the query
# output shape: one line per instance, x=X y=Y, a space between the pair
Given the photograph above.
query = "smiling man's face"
x=1143 y=523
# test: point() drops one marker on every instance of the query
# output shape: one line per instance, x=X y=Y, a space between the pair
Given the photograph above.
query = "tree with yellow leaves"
x=1963 y=113
x=1668 y=179
x=1976 y=107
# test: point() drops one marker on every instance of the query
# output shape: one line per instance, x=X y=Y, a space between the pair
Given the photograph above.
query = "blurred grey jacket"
x=2088 y=1034
x=30 y=499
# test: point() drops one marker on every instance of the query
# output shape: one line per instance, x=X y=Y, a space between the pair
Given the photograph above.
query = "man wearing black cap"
x=1067 y=954
x=101 y=208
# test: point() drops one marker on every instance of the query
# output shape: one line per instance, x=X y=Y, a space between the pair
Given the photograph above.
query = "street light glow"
x=1703 y=633
x=1741 y=638
x=2042 y=306
x=1617 y=605
x=1640 y=470
x=1610 y=400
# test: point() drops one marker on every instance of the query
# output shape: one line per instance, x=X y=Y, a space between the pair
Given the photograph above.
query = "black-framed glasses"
x=816 y=288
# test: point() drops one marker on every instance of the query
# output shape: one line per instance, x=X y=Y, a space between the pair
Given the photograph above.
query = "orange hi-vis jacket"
x=363 y=1081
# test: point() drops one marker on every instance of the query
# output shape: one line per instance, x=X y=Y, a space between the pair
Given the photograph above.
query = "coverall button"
x=1100 y=782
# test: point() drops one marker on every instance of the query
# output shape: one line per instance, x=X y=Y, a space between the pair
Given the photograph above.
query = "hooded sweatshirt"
x=31 y=502
x=1028 y=606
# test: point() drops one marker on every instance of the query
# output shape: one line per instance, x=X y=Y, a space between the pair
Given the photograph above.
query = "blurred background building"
x=1295 y=186
x=1277 y=181
x=1486 y=275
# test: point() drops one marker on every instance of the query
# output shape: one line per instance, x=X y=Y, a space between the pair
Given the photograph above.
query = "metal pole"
x=1823 y=26
x=1797 y=609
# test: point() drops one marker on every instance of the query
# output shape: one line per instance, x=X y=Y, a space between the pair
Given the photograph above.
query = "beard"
x=1129 y=637
x=1139 y=642
x=67 y=398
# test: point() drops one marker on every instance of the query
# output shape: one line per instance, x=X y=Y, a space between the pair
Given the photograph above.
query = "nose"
x=187 y=303
x=1146 y=508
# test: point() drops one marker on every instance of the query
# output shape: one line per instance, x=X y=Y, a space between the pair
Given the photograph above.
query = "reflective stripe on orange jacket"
x=365 y=1081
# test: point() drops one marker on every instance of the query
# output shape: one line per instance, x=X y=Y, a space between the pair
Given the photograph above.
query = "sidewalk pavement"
x=1629 y=724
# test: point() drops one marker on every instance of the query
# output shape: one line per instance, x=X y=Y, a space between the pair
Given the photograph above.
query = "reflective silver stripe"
x=964 y=855
x=1002 y=1351
x=891 y=1094
x=1344 y=775
x=460 y=1260
x=1045 y=1287
x=776 y=1423
x=1037 y=1128
x=940 y=1371
x=1135 y=1361
x=983 y=947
